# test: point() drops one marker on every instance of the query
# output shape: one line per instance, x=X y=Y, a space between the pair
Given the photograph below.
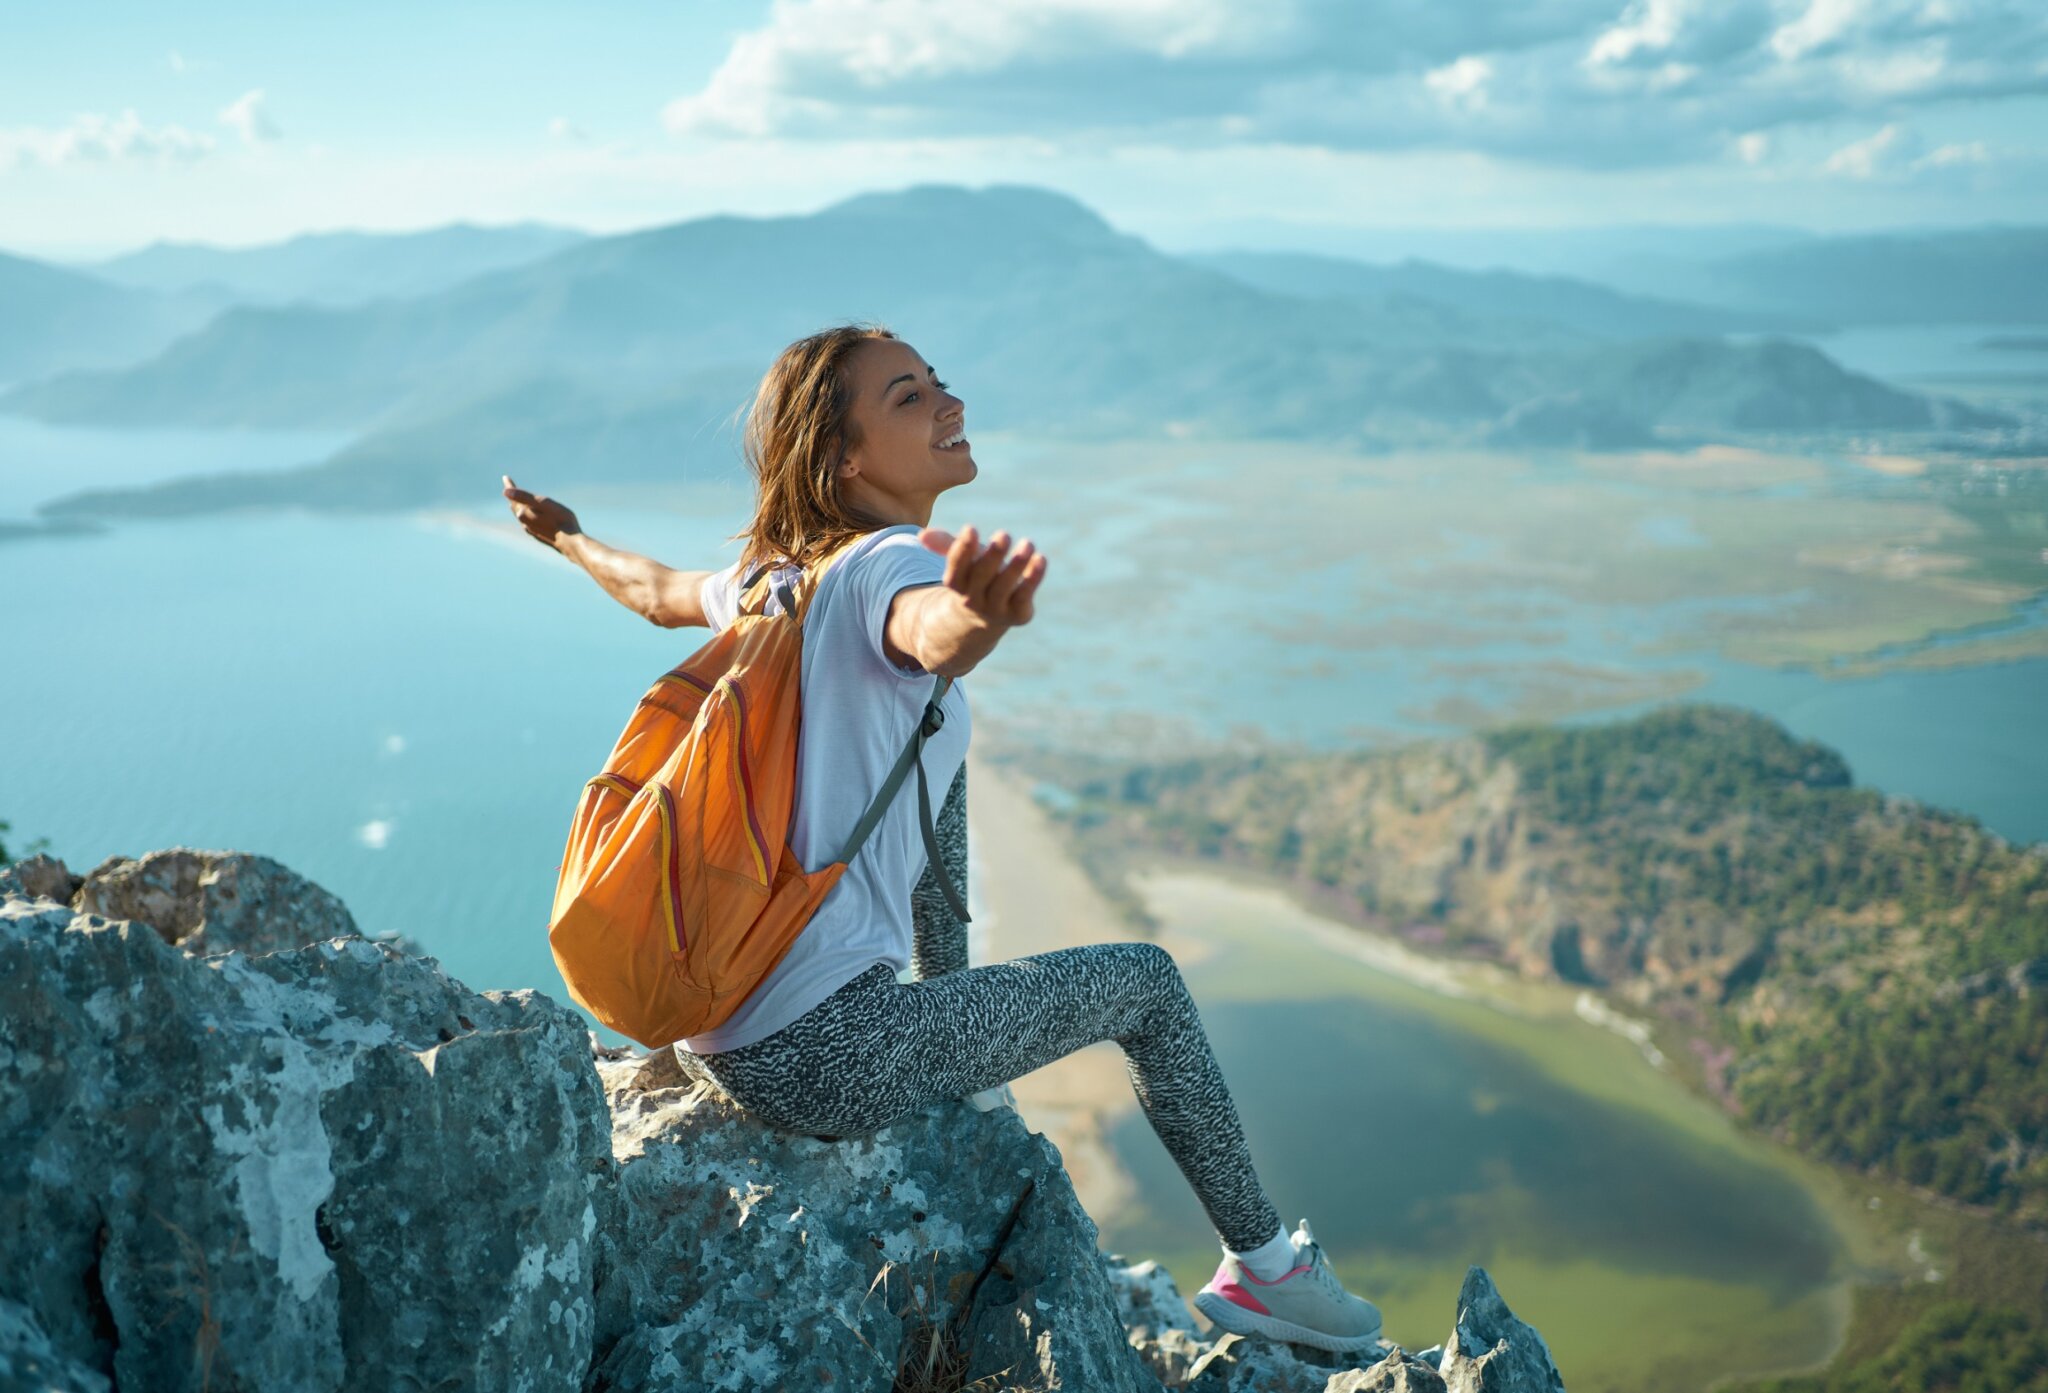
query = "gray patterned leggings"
x=878 y=1048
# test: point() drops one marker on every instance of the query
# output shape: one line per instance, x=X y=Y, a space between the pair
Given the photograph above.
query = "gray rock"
x=41 y=877
x=1397 y=1373
x=29 y=1363
x=1147 y=1297
x=1238 y=1364
x=333 y=1167
x=322 y=1168
x=217 y=901
x=1490 y=1351
x=950 y=1243
x=1172 y=1355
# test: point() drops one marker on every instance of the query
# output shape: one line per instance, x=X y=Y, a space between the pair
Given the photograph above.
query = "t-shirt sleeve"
x=720 y=596
x=895 y=563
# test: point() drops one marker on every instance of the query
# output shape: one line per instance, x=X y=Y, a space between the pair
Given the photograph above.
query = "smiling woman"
x=842 y=438
x=851 y=439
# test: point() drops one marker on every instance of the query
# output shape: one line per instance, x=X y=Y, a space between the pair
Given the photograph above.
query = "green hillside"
x=1864 y=976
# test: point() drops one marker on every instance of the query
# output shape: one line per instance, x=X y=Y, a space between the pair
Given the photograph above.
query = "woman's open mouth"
x=956 y=441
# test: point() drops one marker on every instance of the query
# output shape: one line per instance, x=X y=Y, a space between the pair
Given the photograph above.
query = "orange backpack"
x=678 y=890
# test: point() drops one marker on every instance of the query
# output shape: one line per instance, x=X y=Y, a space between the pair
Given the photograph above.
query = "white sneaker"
x=1306 y=1306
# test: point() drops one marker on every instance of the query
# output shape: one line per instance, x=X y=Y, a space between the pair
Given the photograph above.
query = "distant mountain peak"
x=1043 y=210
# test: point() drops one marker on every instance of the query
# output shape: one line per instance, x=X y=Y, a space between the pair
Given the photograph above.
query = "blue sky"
x=1192 y=122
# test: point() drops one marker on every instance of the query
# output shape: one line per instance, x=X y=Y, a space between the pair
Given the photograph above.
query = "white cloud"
x=1646 y=24
x=1753 y=146
x=1461 y=84
x=863 y=47
x=95 y=138
x=1823 y=22
x=249 y=115
x=1866 y=157
x=1942 y=157
x=375 y=834
x=1585 y=83
x=562 y=128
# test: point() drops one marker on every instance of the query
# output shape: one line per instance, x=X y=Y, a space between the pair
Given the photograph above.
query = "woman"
x=851 y=439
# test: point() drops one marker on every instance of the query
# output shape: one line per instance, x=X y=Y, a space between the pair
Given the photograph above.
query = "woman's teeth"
x=954 y=439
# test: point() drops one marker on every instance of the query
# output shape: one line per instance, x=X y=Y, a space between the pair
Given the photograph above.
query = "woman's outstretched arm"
x=657 y=593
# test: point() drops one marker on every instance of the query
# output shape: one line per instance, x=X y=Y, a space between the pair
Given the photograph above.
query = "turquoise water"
x=403 y=711
x=1448 y=1144
x=405 y=707
x=39 y=462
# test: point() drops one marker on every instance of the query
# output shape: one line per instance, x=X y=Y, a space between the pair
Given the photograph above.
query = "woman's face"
x=912 y=432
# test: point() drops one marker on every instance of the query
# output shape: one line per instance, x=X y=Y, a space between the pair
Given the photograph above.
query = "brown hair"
x=798 y=431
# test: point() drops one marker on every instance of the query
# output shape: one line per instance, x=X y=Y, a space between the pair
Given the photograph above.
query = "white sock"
x=1271 y=1260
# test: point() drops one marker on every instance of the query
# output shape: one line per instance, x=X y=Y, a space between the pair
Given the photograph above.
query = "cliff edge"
x=244 y=1147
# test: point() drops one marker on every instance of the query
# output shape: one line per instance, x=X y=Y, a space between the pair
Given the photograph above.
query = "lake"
x=1654 y=1245
x=404 y=708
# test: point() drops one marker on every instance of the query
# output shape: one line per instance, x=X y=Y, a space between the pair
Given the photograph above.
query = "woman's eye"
x=940 y=385
x=908 y=399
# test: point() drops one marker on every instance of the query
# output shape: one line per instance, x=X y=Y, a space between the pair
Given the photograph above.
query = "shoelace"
x=1320 y=1270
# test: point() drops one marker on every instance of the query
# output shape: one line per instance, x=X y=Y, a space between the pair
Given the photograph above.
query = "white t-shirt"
x=859 y=710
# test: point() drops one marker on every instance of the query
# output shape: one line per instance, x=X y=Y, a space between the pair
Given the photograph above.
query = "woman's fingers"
x=960 y=556
x=1005 y=580
x=994 y=579
x=1021 y=607
x=987 y=567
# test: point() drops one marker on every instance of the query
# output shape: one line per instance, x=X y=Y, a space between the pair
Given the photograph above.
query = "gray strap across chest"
x=913 y=754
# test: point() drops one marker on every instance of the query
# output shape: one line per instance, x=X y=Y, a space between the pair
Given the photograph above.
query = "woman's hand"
x=986 y=591
x=544 y=519
x=995 y=583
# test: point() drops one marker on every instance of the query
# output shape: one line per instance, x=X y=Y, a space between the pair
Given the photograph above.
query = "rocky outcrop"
x=304 y=1169
x=200 y=901
x=330 y=1166
x=951 y=1242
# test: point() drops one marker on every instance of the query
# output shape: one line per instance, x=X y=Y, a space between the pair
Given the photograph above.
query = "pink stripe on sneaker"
x=1238 y=1296
x=1255 y=1277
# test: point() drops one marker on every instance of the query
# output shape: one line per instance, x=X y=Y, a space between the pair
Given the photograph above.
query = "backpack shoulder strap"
x=814 y=576
x=913 y=754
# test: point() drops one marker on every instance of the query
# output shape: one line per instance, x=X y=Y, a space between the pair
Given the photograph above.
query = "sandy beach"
x=1032 y=899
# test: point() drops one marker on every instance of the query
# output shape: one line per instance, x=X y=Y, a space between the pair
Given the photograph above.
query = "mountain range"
x=58 y=319
x=335 y=268
x=1052 y=321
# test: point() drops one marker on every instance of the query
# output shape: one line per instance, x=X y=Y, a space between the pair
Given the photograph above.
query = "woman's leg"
x=879 y=1048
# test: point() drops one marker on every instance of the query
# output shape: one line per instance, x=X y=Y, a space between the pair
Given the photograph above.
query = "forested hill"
x=1861 y=975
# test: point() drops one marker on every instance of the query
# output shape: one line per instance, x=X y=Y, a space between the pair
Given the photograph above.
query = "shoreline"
x=1038 y=899
x=1033 y=899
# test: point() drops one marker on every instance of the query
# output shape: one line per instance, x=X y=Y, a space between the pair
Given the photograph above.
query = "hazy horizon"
x=1195 y=124
x=1367 y=243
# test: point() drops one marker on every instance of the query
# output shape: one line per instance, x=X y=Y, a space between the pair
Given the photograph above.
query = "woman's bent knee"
x=1154 y=962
